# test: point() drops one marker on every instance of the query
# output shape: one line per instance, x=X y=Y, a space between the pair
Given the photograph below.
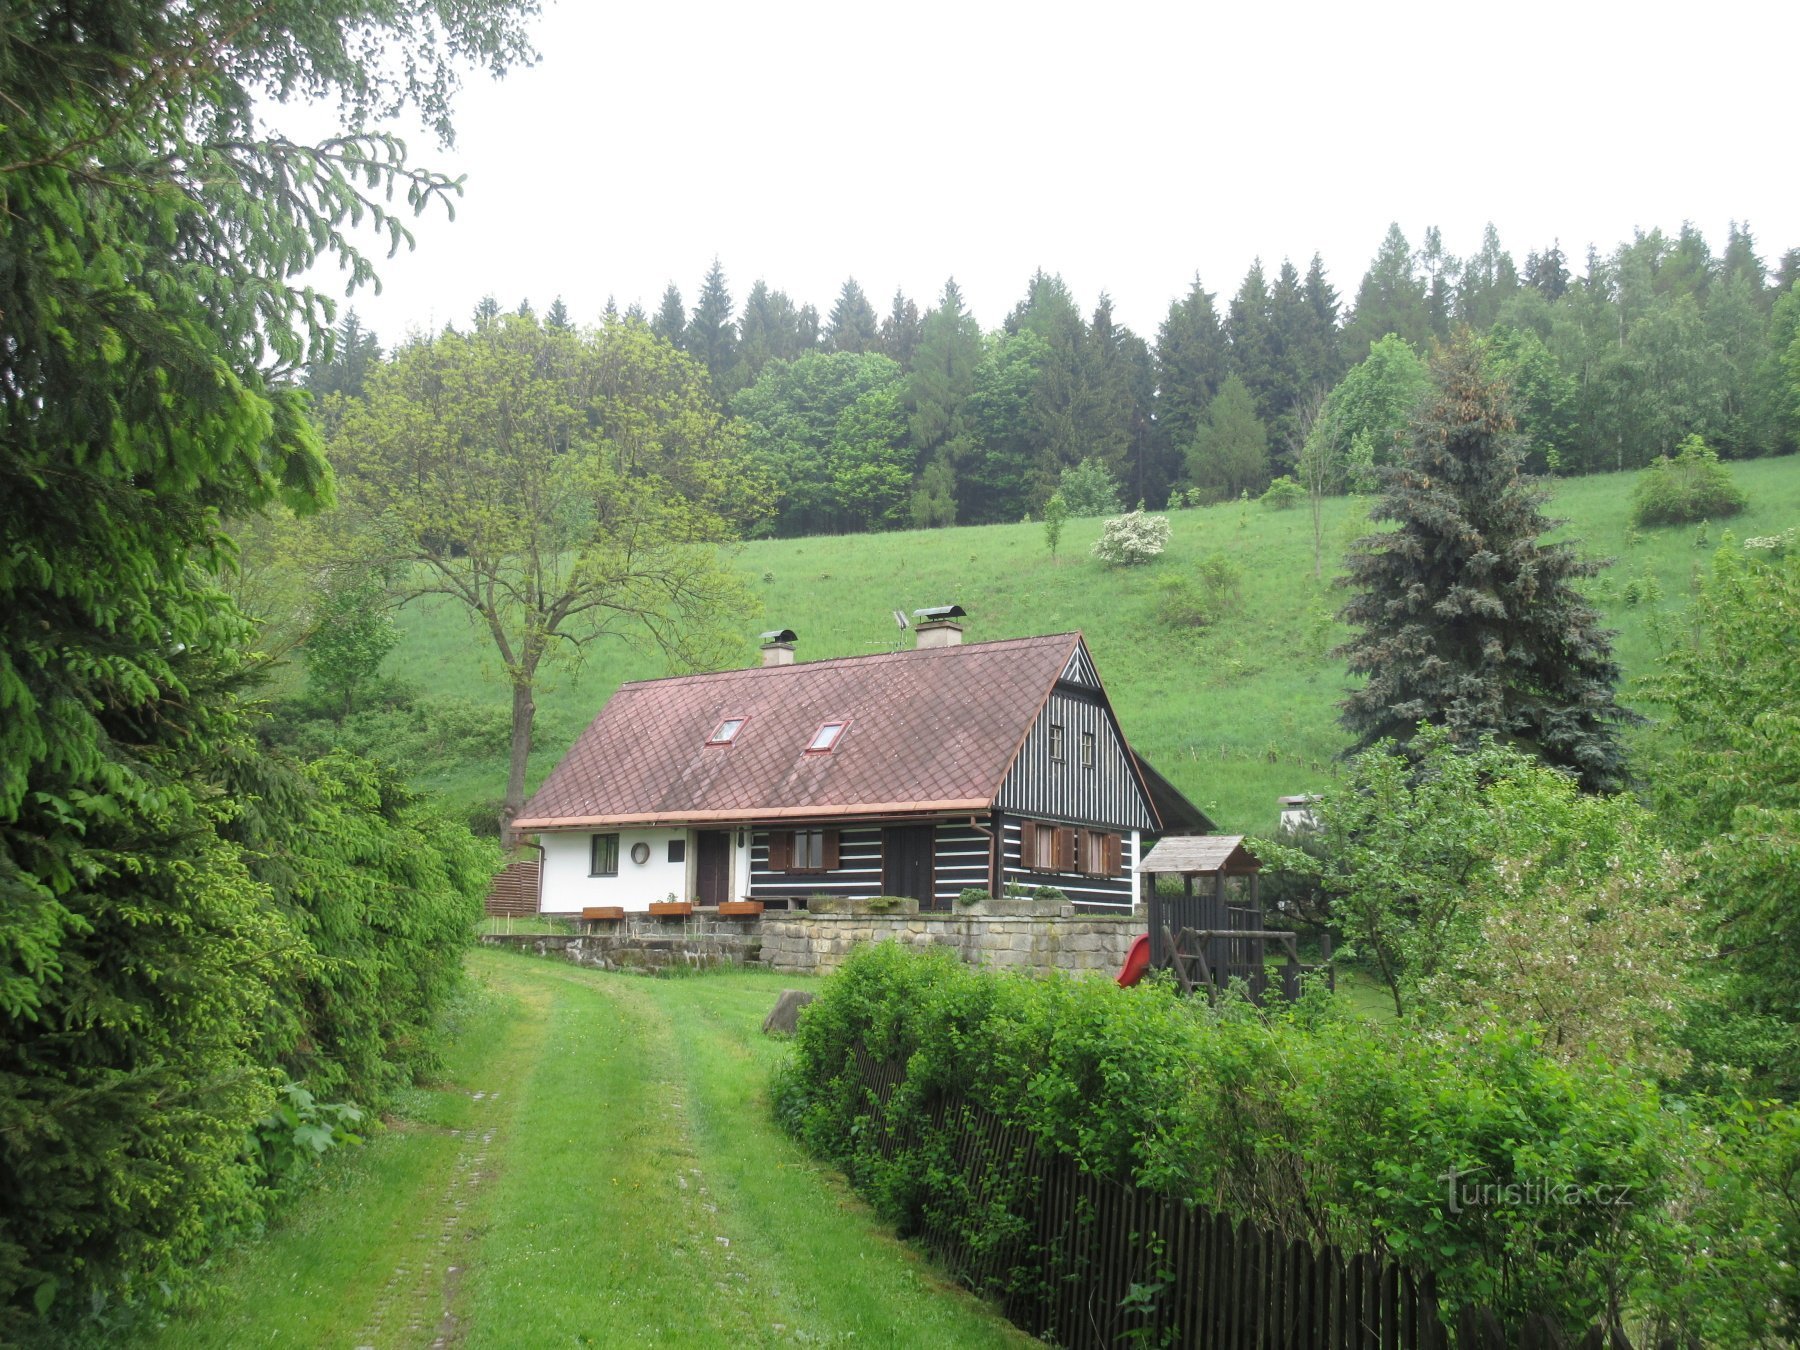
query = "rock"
x=785 y=1016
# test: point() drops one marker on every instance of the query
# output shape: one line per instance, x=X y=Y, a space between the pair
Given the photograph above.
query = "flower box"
x=671 y=909
x=740 y=909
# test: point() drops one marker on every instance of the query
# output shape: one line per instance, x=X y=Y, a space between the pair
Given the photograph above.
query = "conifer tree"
x=1465 y=619
x=901 y=330
x=711 y=337
x=556 y=318
x=1191 y=363
x=852 y=326
x=670 y=323
x=942 y=376
x=1391 y=299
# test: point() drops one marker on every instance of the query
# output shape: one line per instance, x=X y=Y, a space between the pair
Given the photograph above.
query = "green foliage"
x=1465 y=619
x=1484 y=886
x=1283 y=494
x=1132 y=539
x=1692 y=486
x=149 y=344
x=1230 y=451
x=1056 y=515
x=1367 y=418
x=829 y=430
x=352 y=634
x=300 y=1130
x=1088 y=489
x=973 y=895
x=1308 y=1122
x=1728 y=776
x=1199 y=598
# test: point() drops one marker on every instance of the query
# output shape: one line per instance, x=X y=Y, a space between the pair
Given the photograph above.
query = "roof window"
x=826 y=737
x=726 y=732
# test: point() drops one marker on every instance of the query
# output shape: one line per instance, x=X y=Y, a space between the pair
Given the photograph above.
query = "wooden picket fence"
x=1083 y=1261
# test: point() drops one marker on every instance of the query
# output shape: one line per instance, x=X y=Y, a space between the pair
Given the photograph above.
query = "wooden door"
x=712 y=866
x=908 y=863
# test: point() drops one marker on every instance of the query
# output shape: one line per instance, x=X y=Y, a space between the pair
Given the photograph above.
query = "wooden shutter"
x=1065 y=849
x=781 y=850
x=1113 y=850
x=828 y=850
x=1028 y=845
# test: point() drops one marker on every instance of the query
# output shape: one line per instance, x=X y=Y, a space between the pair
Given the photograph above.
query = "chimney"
x=935 y=628
x=778 y=647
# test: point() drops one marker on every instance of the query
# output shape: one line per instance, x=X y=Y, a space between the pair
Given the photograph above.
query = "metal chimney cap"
x=934 y=613
x=780 y=635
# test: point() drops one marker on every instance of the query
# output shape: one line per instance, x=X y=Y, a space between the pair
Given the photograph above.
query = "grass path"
x=600 y=1169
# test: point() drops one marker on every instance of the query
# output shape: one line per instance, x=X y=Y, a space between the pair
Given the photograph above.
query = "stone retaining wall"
x=638 y=942
x=816 y=944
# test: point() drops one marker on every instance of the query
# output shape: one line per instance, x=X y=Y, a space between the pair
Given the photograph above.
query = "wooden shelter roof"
x=1201 y=854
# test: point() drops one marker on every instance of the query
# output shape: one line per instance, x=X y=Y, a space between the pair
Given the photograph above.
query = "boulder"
x=785 y=1015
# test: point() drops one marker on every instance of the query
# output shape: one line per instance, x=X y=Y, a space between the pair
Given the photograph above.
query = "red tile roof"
x=930 y=730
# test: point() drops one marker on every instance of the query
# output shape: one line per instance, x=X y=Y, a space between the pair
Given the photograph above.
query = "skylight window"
x=726 y=732
x=826 y=737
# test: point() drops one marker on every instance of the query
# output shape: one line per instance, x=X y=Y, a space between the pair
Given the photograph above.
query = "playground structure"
x=1204 y=938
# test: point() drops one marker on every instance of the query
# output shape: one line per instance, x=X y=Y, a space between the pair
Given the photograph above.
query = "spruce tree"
x=711 y=336
x=900 y=331
x=1464 y=618
x=670 y=323
x=1192 y=360
x=852 y=326
x=942 y=375
x=1391 y=299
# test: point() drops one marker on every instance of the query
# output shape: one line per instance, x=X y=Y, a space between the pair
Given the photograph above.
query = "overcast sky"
x=1125 y=145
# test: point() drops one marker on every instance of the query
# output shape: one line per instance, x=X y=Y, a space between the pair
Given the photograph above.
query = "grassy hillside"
x=1236 y=714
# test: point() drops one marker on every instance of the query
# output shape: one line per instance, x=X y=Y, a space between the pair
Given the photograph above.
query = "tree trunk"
x=523 y=713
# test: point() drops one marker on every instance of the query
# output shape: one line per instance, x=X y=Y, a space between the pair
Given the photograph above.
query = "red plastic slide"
x=1137 y=961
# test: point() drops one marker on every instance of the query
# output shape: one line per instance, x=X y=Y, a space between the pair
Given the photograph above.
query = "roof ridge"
x=824 y=661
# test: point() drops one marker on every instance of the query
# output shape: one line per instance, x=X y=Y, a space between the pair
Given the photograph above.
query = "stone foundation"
x=817 y=944
x=638 y=942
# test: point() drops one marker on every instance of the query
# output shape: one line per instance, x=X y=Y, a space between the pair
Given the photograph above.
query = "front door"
x=906 y=863
x=712 y=866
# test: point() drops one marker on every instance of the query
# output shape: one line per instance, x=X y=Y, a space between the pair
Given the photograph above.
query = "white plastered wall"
x=568 y=889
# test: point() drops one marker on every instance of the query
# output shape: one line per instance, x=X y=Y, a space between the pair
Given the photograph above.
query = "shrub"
x=1283 y=494
x=1316 y=1125
x=1132 y=539
x=1692 y=486
x=973 y=895
x=1088 y=489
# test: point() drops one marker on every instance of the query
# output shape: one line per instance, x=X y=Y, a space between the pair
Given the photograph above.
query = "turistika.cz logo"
x=1466 y=1191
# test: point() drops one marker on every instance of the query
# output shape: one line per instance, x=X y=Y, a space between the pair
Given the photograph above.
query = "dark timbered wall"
x=1098 y=892
x=1107 y=795
x=962 y=860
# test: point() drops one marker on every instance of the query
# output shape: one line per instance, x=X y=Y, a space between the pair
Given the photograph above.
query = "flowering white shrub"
x=1132 y=538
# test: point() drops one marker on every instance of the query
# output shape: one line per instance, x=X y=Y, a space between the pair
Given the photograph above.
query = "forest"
x=919 y=418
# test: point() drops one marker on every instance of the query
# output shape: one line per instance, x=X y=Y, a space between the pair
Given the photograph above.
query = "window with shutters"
x=810 y=850
x=1047 y=848
x=1102 y=853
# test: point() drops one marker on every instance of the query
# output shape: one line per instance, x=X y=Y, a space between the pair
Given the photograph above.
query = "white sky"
x=1124 y=145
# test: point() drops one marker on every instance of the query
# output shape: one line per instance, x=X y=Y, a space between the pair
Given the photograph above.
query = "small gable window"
x=826 y=737
x=726 y=732
x=604 y=860
x=1087 y=749
x=1058 y=754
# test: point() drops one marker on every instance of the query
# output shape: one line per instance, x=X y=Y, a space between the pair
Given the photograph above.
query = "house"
x=918 y=773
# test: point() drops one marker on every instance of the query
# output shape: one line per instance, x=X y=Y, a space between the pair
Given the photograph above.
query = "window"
x=726 y=732
x=1102 y=854
x=604 y=860
x=826 y=737
x=810 y=850
x=1046 y=848
x=1057 y=754
x=1087 y=749
x=677 y=850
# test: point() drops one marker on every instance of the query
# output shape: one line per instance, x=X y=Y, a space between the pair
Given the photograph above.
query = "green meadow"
x=1236 y=713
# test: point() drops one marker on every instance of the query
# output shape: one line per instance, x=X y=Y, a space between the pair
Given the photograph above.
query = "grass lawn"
x=598 y=1168
x=1236 y=714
